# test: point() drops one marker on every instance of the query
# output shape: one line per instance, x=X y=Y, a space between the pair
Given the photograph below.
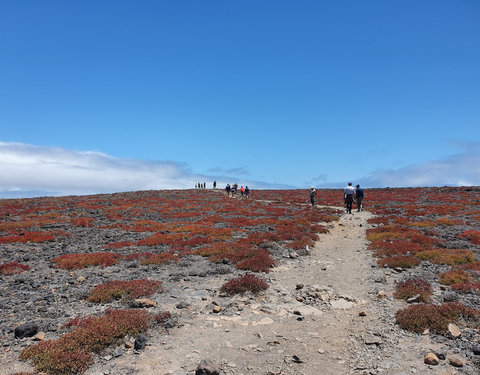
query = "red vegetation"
x=11 y=268
x=409 y=288
x=77 y=261
x=472 y=235
x=417 y=318
x=71 y=353
x=28 y=237
x=261 y=262
x=246 y=283
x=83 y=222
x=126 y=290
x=401 y=261
x=447 y=256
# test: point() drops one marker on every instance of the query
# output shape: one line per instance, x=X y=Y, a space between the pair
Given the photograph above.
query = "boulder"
x=431 y=359
x=26 y=330
x=207 y=367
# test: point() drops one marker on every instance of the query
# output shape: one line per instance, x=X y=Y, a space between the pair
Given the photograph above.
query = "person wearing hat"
x=313 y=193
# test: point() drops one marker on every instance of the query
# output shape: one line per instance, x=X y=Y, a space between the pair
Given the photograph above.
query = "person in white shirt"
x=349 y=193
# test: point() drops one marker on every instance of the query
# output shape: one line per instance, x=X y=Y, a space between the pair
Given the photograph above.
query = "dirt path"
x=308 y=322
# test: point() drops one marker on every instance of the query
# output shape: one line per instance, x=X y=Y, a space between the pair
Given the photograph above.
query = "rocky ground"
x=330 y=311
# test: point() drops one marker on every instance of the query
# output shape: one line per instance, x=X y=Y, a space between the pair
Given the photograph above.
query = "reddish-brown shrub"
x=159 y=258
x=77 y=261
x=472 y=235
x=71 y=353
x=261 y=262
x=28 y=237
x=118 y=245
x=447 y=256
x=409 y=288
x=454 y=276
x=83 y=222
x=126 y=290
x=399 y=261
x=10 y=268
x=246 y=283
x=417 y=318
x=392 y=248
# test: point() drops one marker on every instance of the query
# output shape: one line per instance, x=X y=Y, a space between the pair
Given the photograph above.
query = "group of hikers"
x=232 y=191
x=350 y=195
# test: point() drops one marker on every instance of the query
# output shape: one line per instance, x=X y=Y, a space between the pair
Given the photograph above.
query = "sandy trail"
x=264 y=335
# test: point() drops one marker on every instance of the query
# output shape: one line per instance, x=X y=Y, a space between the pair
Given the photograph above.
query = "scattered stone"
x=143 y=302
x=431 y=359
x=476 y=350
x=414 y=299
x=373 y=340
x=207 y=367
x=293 y=255
x=362 y=313
x=117 y=352
x=441 y=355
x=299 y=286
x=26 y=330
x=292 y=359
x=217 y=309
x=40 y=336
x=140 y=342
x=81 y=279
x=456 y=362
x=381 y=294
x=182 y=305
x=453 y=330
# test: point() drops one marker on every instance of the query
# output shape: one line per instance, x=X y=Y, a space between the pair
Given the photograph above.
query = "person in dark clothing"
x=313 y=194
x=247 y=192
x=214 y=184
x=227 y=189
x=359 y=197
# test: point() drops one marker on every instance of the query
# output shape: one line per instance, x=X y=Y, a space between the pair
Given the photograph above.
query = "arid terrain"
x=393 y=289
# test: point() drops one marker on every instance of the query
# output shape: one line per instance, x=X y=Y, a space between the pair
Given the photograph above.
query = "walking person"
x=214 y=184
x=349 y=192
x=313 y=194
x=242 y=191
x=247 y=192
x=359 y=197
x=227 y=189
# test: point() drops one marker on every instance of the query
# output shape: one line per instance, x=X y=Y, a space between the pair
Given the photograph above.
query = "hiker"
x=313 y=193
x=359 y=197
x=214 y=184
x=227 y=189
x=349 y=192
x=234 y=188
x=242 y=190
x=247 y=192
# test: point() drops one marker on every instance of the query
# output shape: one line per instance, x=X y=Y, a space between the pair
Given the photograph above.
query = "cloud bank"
x=462 y=169
x=29 y=170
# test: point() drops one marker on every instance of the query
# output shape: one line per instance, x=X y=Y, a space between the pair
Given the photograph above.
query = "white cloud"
x=462 y=169
x=47 y=169
x=29 y=170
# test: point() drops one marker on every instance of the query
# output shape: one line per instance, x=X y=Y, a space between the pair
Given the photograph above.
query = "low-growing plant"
x=246 y=283
x=472 y=235
x=11 y=268
x=447 y=256
x=454 y=276
x=411 y=287
x=402 y=261
x=417 y=318
x=71 y=353
x=125 y=290
x=83 y=222
x=159 y=258
x=262 y=262
x=77 y=261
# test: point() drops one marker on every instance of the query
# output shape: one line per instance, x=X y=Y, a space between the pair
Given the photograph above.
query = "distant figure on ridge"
x=242 y=190
x=313 y=194
x=359 y=197
x=227 y=189
x=247 y=192
x=214 y=184
x=349 y=192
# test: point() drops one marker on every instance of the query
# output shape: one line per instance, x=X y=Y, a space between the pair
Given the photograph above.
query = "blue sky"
x=268 y=93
